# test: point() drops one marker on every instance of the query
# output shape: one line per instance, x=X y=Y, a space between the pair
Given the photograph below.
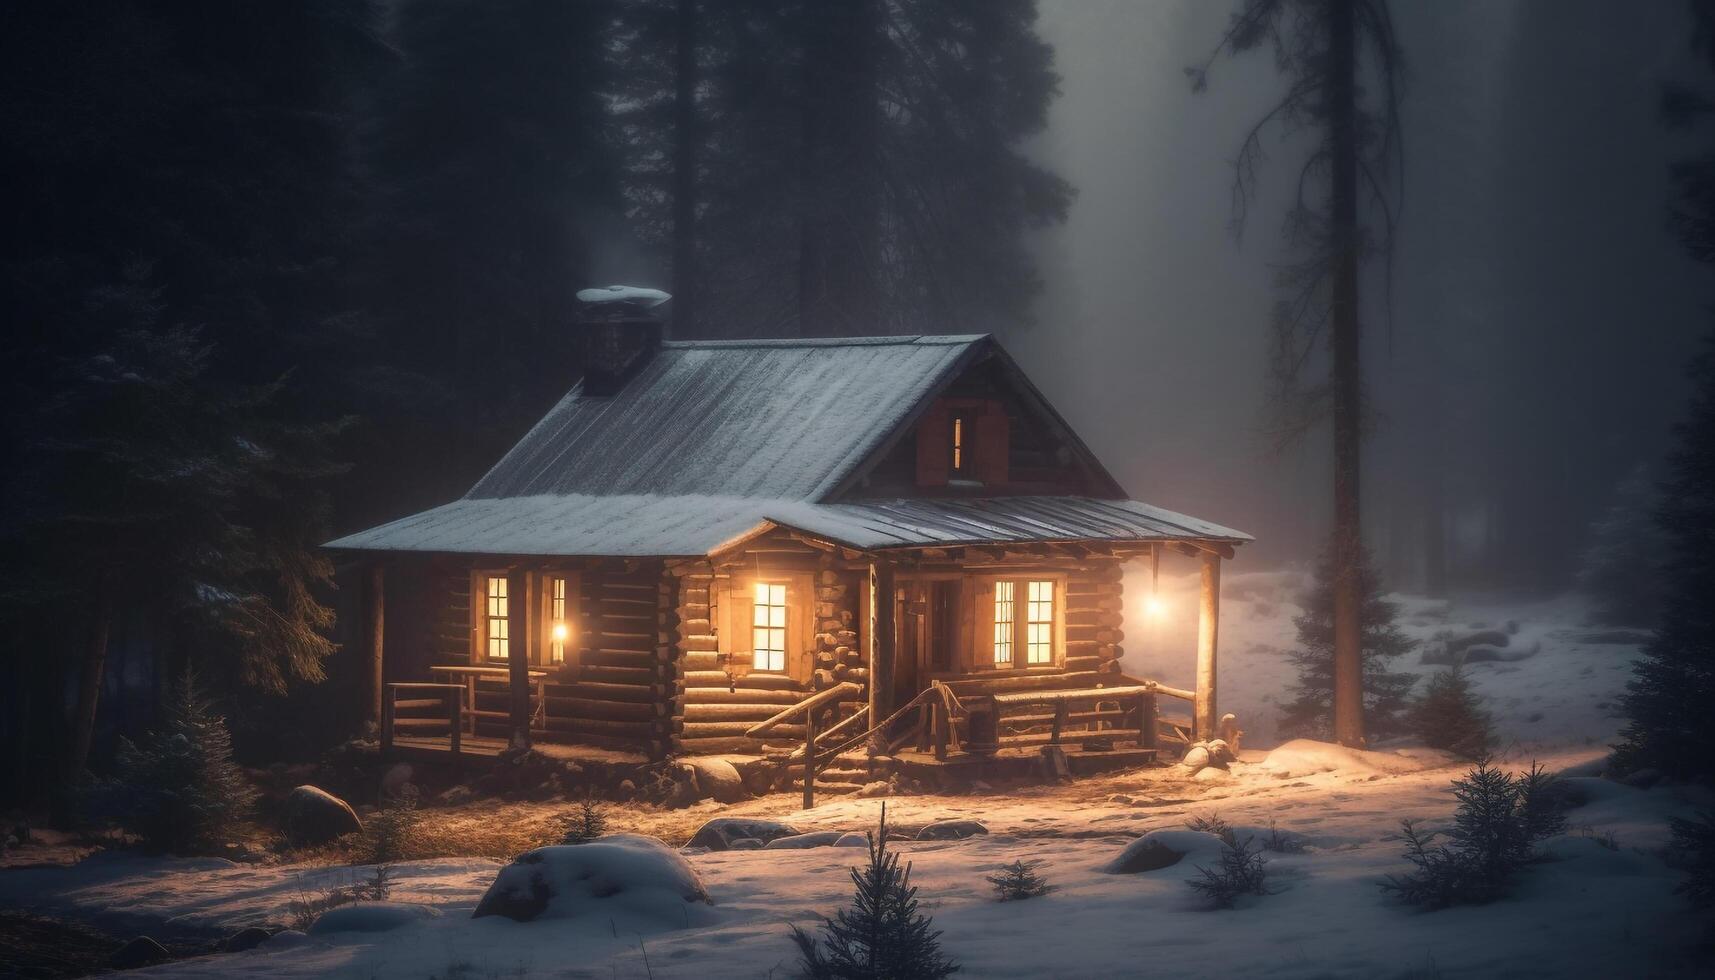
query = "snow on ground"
x=1563 y=695
x=1594 y=912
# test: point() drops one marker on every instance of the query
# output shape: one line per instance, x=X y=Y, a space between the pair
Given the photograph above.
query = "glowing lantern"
x=1155 y=607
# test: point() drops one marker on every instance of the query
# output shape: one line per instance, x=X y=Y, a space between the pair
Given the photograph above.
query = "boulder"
x=395 y=779
x=1196 y=757
x=717 y=778
x=370 y=917
x=719 y=833
x=852 y=839
x=1220 y=753
x=457 y=795
x=879 y=787
x=951 y=830
x=245 y=939
x=139 y=952
x=745 y=844
x=1165 y=848
x=315 y=816
x=821 y=838
x=633 y=881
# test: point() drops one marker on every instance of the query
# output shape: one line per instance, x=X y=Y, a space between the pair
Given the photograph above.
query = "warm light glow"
x=560 y=632
x=1155 y=606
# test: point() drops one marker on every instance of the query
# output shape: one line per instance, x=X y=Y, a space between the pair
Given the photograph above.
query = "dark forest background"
x=276 y=268
x=280 y=269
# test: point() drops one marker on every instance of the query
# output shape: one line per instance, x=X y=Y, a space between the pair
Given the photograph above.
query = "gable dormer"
x=964 y=443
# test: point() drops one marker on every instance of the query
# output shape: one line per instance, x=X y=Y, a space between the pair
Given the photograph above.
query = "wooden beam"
x=374 y=607
x=1208 y=636
x=521 y=629
x=879 y=638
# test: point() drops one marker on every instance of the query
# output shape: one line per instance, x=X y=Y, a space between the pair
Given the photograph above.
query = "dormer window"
x=962 y=462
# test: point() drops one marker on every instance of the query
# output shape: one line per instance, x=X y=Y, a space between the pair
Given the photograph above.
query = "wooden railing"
x=445 y=702
x=810 y=708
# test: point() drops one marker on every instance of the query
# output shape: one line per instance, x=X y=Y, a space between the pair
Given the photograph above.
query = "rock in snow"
x=625 y=876
x=852 y=839
x=718 y=778
x=821 y=838
x=718 y=834
x=951 y=830
x=315 y=816
x=1165 y=848
x=370 y=917
x=141 y=951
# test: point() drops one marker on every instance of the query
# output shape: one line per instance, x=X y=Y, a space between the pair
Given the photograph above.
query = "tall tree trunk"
x=1347 y=382
x=89 y=682
x=685 y=311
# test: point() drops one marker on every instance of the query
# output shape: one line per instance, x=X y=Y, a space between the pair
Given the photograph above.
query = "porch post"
x=521 y=633
x=1208 y=627
x=879 y=639
x=374 y=615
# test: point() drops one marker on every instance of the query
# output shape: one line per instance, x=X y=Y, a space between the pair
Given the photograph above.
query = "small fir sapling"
x=1448 y=716
x=178 y=789
x=586 y=824
x=882 y=936
x=1019 y=880
x=1499 y=821
x=1242 y=871
x=1310 y=712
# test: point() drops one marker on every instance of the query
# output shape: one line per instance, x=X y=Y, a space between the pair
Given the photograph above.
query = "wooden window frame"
x=734 y=616
x=980 y=650
x=545 y=589
x=479 y=627
x=962 y=444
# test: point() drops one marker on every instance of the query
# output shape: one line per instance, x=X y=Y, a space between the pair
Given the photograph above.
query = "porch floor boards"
x=484 y=749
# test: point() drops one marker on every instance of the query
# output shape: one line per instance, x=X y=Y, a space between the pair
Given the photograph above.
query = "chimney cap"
x=641 y=296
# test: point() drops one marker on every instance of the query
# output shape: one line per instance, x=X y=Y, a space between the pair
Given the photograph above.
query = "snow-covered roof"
x=715 y=441
x=584 y=525
x=785 y=419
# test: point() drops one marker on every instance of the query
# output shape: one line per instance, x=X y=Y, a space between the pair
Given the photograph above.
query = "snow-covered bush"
x=1242 y=870
x=634 y=883
x=1212 y=824
x=585 y=825
x=1310 y=713
x=1449 y=717
x=1500 y=820
x=882 y=936
x=1019 y=880
x=178 y=789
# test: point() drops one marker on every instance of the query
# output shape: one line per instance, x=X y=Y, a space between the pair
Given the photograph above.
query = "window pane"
x=768 y=632
x=496 y=607
x=1039 y=621
x=1003 y=622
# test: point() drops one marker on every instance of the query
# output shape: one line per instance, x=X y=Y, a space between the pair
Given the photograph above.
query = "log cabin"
x=798 y=547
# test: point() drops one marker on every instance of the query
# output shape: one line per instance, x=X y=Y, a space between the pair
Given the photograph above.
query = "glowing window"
x=1003 y=622
x=495 y=618
x=768 y=627
x=1039 y=623
x=558 y=628
x=962 y=431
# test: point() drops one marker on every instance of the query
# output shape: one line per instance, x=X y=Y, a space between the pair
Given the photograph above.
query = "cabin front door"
x=927 y=619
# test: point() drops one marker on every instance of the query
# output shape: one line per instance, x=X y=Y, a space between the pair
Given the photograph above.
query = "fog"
x=1541 y=311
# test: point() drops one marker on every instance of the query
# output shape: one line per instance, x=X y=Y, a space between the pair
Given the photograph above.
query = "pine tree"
x=1321 y=47
x=882 y=936
x=587 y=824
x=1310 y=713
x=1673 y=684
x=1019 y=880
x=1449 y=717
x=1617 y=570
x=179 y=789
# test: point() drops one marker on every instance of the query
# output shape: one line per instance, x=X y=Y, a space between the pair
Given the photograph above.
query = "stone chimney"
x=619 y=333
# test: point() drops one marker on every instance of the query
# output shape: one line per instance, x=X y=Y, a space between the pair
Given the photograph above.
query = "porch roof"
x=685 y=526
